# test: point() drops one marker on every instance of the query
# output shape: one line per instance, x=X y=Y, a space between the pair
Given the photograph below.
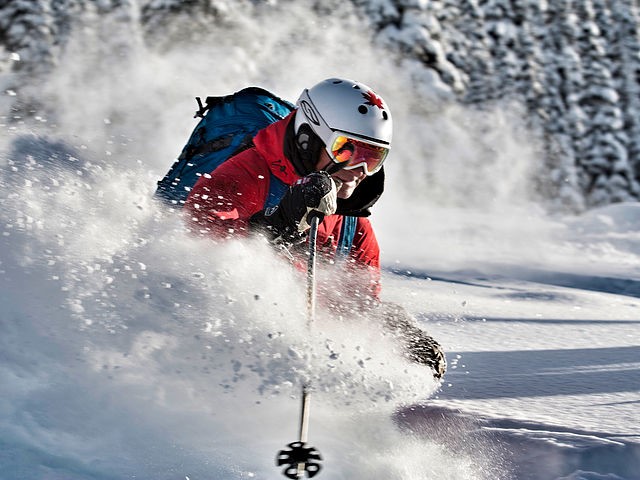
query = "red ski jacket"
x=221 y=204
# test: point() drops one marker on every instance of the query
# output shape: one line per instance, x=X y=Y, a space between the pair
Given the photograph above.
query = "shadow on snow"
x=534 y=373
x=619 y=286
x=525 y=451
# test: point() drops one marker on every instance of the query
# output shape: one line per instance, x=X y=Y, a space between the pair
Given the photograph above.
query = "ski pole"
x=311 y=317
x=311 y=271
x=300 y=458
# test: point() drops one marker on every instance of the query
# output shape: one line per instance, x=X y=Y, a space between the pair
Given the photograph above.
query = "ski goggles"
x=354 y=153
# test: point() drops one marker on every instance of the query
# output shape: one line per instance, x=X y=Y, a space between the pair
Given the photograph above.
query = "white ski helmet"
x=352 y=121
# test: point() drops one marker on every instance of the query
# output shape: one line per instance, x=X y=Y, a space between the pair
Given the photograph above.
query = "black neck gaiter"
x=304 y=161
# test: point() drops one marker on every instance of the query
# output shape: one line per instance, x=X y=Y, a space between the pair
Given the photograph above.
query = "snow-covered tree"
x=574 y=63
x=605 y=172
x=28 y=29
x=625 y=15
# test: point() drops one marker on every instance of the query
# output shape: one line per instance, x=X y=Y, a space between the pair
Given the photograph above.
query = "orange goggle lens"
x=356 y=153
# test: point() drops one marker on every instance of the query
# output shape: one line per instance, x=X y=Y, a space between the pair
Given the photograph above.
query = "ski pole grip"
x=315 y=214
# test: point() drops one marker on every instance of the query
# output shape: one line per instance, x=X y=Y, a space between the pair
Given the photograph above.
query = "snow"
x=129 y=349
x=543 y=353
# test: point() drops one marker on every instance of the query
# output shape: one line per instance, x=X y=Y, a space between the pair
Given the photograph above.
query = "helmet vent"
x=363 y=109
x=385 y=115
x=356 y=87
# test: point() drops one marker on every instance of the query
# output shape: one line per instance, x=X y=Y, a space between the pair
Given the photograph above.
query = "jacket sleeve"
x=221 y=203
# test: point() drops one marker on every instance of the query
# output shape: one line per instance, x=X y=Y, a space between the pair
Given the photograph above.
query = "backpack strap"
x=347 y=234
x=277 y=189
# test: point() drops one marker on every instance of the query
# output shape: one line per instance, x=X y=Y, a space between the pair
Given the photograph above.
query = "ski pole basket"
x=299 y=459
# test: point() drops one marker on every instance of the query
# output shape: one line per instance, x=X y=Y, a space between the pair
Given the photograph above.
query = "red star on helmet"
x=373 y=100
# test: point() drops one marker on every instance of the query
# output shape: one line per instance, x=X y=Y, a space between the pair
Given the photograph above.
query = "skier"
x=329 y=152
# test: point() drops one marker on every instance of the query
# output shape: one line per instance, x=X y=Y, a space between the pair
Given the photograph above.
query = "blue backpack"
x=227 y=127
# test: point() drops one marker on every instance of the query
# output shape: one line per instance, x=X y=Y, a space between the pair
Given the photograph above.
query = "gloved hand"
x=423 y=349
x=419 y=347
x=315 y=194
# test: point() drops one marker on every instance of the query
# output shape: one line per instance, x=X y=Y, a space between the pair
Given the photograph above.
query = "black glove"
x=314 y=194
x=418 y=345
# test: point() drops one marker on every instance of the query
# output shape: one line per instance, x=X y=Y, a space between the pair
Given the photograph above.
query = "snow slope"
x=544 y=354
x=130 y=350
